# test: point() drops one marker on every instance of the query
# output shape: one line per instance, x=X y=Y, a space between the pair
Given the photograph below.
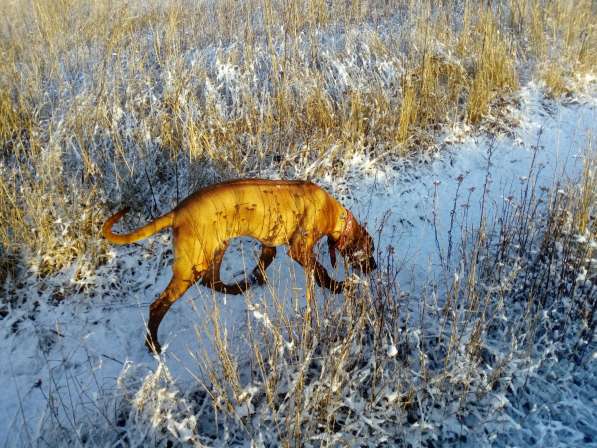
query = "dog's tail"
x=141 y=233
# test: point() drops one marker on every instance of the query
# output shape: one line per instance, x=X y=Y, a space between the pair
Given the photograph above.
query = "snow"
x=60 y=355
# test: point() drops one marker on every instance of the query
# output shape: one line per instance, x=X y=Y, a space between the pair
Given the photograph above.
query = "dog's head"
x=356 y=246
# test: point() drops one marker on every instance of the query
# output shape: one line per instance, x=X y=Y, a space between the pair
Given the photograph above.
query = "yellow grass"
x=98 y=99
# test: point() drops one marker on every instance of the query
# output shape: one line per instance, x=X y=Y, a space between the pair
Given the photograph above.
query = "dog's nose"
x=368 y=265
x=372 y=264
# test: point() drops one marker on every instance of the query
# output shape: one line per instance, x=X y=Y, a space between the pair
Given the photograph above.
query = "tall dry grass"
x=450 y=365
x=103 y=102
x=495 y=354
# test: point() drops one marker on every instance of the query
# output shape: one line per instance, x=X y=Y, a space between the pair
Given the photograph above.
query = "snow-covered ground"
x=59 y=354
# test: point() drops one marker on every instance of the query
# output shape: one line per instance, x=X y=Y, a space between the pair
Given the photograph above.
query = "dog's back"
x=268 y=210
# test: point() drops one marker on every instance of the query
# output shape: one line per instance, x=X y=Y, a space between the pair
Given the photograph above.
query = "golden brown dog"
x=295 y=213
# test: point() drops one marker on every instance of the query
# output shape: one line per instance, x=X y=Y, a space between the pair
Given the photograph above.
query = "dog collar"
x=347 y=231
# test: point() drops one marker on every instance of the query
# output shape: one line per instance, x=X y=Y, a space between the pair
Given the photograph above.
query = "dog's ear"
x=332 y=250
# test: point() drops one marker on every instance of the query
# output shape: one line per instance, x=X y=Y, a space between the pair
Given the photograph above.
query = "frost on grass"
x=501 y=354
x=157 y=408
x=148 y=101
x=499 y=358
x=145 y=103
x=147 y=407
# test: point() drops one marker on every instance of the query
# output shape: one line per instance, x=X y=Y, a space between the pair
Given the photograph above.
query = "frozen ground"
x=57 y=354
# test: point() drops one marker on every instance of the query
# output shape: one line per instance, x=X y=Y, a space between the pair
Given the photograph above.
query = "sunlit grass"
x=101 y=101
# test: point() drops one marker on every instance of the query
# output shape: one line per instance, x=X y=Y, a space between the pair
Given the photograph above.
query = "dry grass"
x=102 y=101
x=373 y=373
x=563 y=41
x=460 y=362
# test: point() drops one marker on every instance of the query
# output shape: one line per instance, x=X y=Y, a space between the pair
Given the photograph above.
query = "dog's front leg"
x=324 y=280
x=301 y=250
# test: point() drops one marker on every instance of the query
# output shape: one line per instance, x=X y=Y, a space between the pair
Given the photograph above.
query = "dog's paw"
x=258 y=278
x=154 y=347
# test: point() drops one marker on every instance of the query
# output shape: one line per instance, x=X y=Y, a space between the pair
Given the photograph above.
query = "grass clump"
x=494 y=73
x=107 y=100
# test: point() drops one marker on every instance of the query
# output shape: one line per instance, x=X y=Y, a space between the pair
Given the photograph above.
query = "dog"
x=275 y=212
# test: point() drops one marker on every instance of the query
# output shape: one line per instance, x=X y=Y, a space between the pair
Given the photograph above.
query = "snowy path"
x=80 y=345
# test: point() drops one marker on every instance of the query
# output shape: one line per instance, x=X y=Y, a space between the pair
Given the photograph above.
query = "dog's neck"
x=347 y=230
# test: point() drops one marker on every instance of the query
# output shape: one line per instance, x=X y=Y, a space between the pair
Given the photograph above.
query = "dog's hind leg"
x=175 y=289
x=211 y=277
x=265 y=259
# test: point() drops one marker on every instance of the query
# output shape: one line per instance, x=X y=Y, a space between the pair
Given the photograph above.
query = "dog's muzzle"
x=369 y=265
x=365 y=266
